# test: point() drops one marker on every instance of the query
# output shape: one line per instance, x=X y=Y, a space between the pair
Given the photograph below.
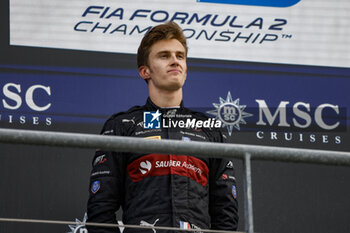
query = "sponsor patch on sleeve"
x=95 y=186
x=229 y=165
x=100 y=159
x=100 y=173
x=234 y=191
x=227 y=177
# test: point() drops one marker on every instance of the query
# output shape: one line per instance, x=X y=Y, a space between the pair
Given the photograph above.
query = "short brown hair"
x=166 y=31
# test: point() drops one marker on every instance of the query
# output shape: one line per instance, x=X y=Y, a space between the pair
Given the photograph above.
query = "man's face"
x=167 y=68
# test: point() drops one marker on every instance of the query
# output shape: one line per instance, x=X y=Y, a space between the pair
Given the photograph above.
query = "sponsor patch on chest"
x=161 y=165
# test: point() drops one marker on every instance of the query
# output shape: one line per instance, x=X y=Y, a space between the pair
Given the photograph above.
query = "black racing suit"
x=162 y=189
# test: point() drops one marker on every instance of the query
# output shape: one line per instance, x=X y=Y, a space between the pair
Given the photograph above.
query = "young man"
x=161 y=189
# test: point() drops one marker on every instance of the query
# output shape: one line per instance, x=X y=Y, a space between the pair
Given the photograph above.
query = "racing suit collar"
x=153 y=106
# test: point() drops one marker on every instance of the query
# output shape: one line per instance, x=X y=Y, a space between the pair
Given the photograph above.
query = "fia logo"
x=151 y=120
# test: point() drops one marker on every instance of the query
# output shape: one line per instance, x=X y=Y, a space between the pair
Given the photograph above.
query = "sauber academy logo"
x=145 y=167
x=230 y=113
x=153 y=165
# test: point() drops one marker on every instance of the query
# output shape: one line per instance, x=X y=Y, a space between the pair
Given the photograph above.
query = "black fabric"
x=162 y=190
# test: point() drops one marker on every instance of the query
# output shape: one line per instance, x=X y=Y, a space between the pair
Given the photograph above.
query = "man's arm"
x=223 y=206
x=106 y=186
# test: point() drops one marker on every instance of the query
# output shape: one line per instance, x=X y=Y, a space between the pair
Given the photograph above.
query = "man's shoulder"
x=119 y=120
x=133 y=111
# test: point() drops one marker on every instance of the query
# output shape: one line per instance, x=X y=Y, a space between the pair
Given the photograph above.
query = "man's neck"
x=166 y=99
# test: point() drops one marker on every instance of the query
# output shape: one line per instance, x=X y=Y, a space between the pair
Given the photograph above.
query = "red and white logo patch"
x=161 y=164
x=145 y=167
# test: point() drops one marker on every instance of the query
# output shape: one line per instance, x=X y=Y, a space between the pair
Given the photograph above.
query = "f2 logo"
x=271 y=3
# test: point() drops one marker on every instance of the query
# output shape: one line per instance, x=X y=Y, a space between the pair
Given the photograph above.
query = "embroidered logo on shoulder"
x=100 y=159
x=229 y=165
x=154 y=137
x=95 y=186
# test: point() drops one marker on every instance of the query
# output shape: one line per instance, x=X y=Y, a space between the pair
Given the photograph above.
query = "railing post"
x=248 y=202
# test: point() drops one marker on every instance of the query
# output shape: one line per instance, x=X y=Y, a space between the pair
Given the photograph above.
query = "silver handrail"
x=206 y=149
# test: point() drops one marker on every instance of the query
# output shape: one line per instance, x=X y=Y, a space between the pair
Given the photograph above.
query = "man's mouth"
x=174 y=71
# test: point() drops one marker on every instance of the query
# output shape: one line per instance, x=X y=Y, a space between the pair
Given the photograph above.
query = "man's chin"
x=174 y=86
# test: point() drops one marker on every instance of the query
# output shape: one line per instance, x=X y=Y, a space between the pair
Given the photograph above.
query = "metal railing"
x=205 y=149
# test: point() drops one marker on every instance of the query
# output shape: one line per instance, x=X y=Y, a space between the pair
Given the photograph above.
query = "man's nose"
x=174 y=60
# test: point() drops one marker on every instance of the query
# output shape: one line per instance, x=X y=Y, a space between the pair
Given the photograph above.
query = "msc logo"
x=271 y=3
x=151 y=120
x=79 y=226
x=13 y=100
x=230 y=112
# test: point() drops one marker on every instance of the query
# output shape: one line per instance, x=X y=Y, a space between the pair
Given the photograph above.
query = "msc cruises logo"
x=297 y=122
x=271 y=3
x=230 y=113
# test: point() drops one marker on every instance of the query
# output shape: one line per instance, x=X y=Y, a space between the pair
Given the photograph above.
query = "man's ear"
x=144 y=72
